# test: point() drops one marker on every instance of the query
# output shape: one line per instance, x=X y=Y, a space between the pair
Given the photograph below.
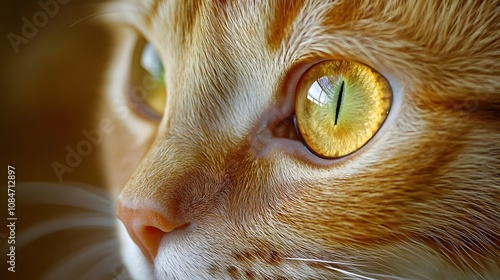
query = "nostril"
x=146 y=227
x=150 y=238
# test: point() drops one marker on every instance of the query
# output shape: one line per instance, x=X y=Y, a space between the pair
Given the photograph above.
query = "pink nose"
x=146 y=227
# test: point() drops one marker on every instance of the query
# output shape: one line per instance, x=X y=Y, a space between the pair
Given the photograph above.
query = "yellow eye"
x=339 y=106
x=147 y=93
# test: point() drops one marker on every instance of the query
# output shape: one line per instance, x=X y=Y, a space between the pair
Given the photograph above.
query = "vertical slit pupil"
x=341 y=92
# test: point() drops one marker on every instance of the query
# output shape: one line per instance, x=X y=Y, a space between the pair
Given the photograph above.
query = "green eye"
x=340 y=105
x=148 y=93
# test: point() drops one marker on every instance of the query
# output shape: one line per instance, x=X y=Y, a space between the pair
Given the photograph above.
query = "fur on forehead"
x=399 y=33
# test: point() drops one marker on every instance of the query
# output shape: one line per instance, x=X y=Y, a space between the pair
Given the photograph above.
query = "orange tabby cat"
x=298 y=140
x=237 y=177
x=245 y=173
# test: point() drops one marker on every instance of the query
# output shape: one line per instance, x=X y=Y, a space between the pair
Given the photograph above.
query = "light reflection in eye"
x=316 y=94
x=322 y=91
x=151 y=62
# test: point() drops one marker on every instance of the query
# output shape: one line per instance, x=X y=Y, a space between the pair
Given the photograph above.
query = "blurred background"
x=52 y=62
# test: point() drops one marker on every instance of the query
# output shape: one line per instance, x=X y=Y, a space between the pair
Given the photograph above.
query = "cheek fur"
x=226 y=161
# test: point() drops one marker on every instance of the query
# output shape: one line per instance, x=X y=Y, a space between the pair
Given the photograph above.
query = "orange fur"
x=420 y=201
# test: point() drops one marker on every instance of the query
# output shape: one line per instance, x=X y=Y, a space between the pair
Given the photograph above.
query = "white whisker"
x=82 y=259
x=120 y=10
x=354 y=267
x=321 y=261
x=82 y=221
x=105 y=267
x=82 y=196
x=350 y=273
x=385 y=276
x=90 y=18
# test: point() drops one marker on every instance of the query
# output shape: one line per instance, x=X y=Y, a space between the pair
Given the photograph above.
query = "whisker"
x=386 y=276
x=105 y=10
x=82 y=221
x=82 y=196
x=350 y=265
x=81 y=259
x=321 y=261
x=350 y=273
x=90 y=18
x=105 y=267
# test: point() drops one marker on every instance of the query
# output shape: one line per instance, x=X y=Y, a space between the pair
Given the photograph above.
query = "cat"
x=241 y=173
x=230 y=181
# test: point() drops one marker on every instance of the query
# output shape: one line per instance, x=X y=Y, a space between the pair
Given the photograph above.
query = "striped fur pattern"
x=420 y=201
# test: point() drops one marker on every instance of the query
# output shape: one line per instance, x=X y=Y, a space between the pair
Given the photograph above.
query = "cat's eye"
x=339 y=107
x=147 y=93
